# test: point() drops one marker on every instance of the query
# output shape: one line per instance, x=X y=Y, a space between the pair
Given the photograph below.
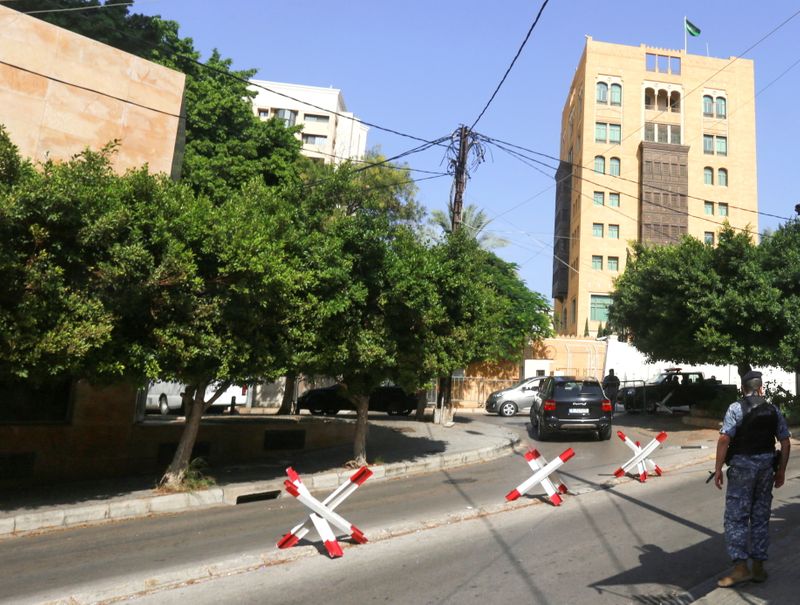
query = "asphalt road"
x=97 y=559
x=659 y=543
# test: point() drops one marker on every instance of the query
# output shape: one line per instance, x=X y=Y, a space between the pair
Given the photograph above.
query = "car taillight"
x=606 y=403
x=550 y=405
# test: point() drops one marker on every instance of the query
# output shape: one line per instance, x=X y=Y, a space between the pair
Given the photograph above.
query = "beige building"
x=330 y=133
x=655 y=144
x=61 y=92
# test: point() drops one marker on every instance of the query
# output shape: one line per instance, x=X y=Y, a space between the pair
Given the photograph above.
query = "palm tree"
x=474 y=220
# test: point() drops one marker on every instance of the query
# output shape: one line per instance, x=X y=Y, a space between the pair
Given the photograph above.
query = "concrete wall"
x=61 y=92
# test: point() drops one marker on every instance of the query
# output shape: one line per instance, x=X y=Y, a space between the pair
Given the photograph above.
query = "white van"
x=167 y=397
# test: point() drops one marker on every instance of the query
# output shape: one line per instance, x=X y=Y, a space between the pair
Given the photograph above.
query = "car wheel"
x=317 y=412
x=604 y=433
x=507 y=408
x=163 y=406
x=539 y=431
x=405 y=412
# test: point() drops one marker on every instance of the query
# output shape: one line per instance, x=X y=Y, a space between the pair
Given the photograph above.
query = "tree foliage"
x=474 y=221
x=696 y=303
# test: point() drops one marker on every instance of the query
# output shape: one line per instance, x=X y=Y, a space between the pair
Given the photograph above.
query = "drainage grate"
x=258 y=497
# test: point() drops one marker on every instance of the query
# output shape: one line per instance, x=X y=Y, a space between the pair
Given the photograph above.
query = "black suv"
x=566 y=403
x=328 y=400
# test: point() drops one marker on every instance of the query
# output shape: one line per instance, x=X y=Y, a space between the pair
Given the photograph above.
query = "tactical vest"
x=756 y=433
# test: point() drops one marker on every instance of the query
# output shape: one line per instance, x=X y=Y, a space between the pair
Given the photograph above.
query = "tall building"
x=655 y=144
x=330 y=133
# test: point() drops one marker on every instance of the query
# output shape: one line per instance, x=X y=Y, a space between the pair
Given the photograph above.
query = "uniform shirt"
x=733 y=418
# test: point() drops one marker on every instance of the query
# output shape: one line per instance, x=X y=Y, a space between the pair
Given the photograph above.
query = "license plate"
x=578 y=411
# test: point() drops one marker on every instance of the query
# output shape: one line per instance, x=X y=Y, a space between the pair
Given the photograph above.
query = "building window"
x=614 y=167
x=650 y=62
x=675 y=65
x=616 y=94
x=721 y=107
x=709 y=208
x=722 y=145
x=614 y=133
x=663 y=133
x=708 y=106
x=599 y=198
x=708 y=175
x=597 y=229
x=311 y=117
x=600 y=132
x=600 y=164
x=263 y=114
x=574 y=311
x=708 y=237
x=598 y=307
x=314 y=139
x=602 y=92
x=675 y=134
x=613 y=231
x=723 y=209
x=649 y=98
x=675 y=101
x=708 y=144
x=289 y=116
x=722 y=177
x=613 y=200
x=613 y=263
x=650 y=132
x=597 y=263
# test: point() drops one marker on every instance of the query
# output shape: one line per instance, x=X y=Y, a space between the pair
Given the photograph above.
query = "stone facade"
x=61 y=93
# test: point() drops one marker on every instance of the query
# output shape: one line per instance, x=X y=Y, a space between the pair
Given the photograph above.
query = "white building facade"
x=330 y=134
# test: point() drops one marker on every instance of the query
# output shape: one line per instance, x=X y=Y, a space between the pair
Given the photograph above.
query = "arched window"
x=722 y=177
x=602 y=92
x=616 y=94
x=722 y=107
x=662 y=100
x=675 y=101
x=708 y=106
x=708 y=175
x=649 y=98
x=600 y=164
x=613 y=167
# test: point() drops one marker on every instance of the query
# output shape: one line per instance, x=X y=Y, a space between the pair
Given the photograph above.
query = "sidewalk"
x=395 y=447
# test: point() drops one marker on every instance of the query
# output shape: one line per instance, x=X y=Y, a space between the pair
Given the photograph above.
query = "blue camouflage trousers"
x=747 y=508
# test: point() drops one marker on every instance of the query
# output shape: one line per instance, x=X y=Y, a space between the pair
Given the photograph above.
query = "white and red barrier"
x=323 y=515
x=541 y=474
x=641 y=457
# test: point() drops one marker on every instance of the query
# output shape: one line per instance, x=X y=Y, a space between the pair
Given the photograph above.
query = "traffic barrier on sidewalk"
x=542 y=470
x=641 y=457
x=323 y=515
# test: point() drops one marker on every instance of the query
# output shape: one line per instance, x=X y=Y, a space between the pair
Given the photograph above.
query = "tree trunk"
x=193 y=400
x=360 y=440
x=447 y=409
x=422 y=403
x=288 y=395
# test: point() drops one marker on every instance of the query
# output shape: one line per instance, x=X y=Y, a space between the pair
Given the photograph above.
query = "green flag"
x=691 y=28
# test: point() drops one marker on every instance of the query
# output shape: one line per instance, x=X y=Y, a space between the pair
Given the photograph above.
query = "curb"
x=71 y=516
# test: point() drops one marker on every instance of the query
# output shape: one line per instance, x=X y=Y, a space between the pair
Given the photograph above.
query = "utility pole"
x=460 y=176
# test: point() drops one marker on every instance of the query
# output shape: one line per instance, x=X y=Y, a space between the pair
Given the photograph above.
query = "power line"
x=76 y=8
x=514 y=60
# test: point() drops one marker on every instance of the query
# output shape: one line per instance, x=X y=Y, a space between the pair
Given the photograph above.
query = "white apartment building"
x=330 y=133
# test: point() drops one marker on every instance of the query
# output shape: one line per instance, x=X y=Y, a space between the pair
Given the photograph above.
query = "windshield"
x=524 y=382
x=658 y=379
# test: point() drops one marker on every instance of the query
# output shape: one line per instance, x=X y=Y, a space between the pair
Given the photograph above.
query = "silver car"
x=508 y=402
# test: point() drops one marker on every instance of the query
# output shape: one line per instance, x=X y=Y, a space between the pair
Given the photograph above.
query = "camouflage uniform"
x=749 y=495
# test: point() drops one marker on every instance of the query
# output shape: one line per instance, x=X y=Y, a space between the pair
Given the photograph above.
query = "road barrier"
x=322 y=513
x=541 y=474
x=641 y=457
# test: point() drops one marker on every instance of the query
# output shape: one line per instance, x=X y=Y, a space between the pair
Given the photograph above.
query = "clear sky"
x=423 y=68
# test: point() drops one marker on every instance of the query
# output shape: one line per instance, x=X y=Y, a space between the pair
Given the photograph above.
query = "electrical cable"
x=514 y=60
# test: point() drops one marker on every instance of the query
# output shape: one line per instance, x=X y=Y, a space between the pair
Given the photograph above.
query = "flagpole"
x=685 y=42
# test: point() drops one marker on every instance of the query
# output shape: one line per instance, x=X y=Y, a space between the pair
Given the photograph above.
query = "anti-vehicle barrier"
x=641 y=455
x=541 y=474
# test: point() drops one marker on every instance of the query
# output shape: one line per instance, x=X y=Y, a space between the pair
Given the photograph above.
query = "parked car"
x=567 y=403
x=167 y=397
x=507 y=402
x=670 y=389
x=328 y=400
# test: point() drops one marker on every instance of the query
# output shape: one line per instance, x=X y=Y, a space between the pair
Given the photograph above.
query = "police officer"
x=747 y=444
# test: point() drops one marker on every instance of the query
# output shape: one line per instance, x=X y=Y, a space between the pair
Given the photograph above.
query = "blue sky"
x=425 y=67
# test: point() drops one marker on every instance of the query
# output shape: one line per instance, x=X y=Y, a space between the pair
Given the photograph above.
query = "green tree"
x=474 y=221
x=696 y=303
